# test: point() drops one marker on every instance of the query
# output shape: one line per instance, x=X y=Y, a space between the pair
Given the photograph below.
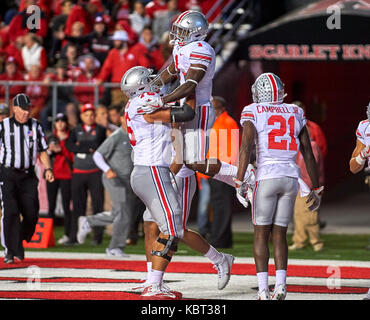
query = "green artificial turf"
x=336 y=247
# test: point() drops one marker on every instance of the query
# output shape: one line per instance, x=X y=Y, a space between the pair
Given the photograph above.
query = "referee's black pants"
x=81 y=183
x=19 y=196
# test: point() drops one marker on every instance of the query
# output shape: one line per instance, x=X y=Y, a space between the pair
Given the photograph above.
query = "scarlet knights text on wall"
x=322 y=52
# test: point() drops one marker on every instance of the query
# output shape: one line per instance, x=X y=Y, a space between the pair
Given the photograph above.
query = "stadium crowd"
x=82 y=41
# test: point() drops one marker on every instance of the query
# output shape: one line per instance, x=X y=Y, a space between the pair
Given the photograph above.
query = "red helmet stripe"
x=274 y=86
x=181 y=16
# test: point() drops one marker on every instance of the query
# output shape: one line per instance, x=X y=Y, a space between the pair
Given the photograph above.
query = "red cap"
x=87 y=107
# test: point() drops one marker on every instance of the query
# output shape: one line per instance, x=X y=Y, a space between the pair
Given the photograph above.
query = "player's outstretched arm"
x=309 y=157
x=194 y=76
x=357 y=162
x=248 y=135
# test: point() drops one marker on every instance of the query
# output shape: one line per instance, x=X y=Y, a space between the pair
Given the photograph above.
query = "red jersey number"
x=130 y=132
x=280 y=132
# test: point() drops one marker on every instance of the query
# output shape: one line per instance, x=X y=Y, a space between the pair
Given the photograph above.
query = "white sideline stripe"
x=139 y=257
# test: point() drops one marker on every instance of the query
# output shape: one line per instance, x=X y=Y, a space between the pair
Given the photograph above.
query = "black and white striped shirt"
x=20 y=143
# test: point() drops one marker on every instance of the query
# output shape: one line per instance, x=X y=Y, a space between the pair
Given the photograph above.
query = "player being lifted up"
x=167 y=206
x=194 y=63
x=279 y=130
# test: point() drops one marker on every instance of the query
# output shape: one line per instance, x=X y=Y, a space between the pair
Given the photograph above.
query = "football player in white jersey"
x=361 y=153
x=278 y=130
x=168 y=202
x=194 y=63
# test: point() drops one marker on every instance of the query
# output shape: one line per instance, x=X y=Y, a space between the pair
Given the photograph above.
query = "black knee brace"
x=170 y=244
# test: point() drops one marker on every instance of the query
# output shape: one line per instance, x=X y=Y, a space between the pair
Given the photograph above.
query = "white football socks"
x=214 y=255
x=155 y=276
x=263 y=284
x=280 y=277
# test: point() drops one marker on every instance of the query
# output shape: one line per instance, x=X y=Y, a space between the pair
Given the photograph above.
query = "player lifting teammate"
x=168 y=202
x=279 y=130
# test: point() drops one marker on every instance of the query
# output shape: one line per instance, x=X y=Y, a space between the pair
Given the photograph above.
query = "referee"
x=21 y=139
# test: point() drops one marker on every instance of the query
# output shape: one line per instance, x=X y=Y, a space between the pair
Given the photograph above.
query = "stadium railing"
x=53 y=85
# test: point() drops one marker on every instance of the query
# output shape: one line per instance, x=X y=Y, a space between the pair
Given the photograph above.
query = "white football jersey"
x=363 y=134
x=277 y=143
x=151 y=143
x=197 y=52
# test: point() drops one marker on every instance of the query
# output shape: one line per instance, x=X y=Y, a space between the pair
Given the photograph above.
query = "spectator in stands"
x=83 y=12
x=65 y=96
x=114 y=114
x=225 y=148
x=77 y=31
x=163 y=20
x=8 y=49
x=138 y=18
x=4 y=111
x=156 y=8
x=11 y=73
x=57 y=25
x=121 y=10
x=33 y=53
x=18 y=26
x=38 y=94
x=149 y=47
x=119 y=60
x=102 y=119
x=89 y=66
x=71 y=54
x=62 y=164
x=125 y=26
x=59 y=20
x=83 y=141
x=98 y=41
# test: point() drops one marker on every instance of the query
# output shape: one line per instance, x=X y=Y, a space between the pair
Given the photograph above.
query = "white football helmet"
x=190 y=26
x=268 y=88
x=137 y=81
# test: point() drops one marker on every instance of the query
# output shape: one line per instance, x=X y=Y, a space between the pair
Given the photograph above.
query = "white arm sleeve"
x=100 y=162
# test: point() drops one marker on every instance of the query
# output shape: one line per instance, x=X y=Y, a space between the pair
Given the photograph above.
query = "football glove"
x=243 y=193
x=150 y=102
x=365 y=152
x=315 y=196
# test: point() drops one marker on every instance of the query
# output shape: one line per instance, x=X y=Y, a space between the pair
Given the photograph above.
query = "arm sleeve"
x=100 y=162
x=248 y=114
x=200 y=55
x=360 y=133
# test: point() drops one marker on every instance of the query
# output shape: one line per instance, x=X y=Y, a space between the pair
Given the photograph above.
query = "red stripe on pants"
x=164 y=200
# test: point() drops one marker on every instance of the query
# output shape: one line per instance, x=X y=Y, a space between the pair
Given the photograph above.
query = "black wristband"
x=182 y=114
